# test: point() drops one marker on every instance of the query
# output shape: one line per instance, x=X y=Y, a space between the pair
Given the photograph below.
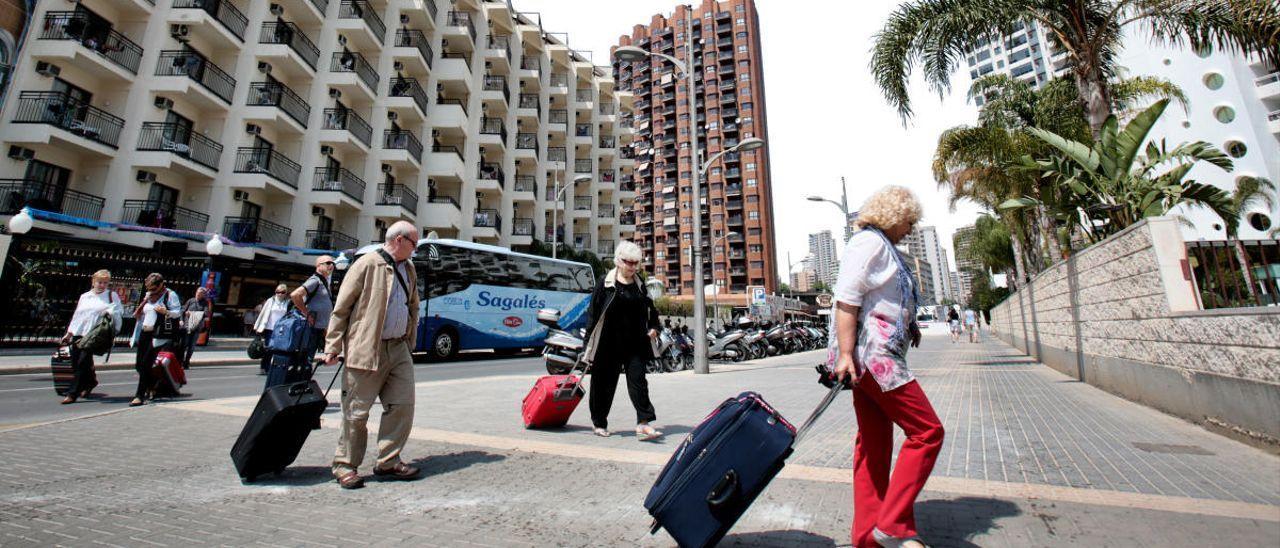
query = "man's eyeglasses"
x=329 y=263
x=280 y=293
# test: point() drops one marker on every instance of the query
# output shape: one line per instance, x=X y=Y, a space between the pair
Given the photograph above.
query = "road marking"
x=243 y=407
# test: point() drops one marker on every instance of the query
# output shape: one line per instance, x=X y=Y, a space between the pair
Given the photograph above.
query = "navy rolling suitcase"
x=279 y=425
x=720 y=468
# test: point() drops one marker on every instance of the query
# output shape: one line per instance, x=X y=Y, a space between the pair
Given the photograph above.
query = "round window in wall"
x=1236 y=149
x=1214 y=80
x=1224 y=114
x=1259 y=221
x=1186 y=123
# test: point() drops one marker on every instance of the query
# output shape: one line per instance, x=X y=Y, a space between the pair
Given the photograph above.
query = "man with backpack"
x=93 y=328
x=314 y=299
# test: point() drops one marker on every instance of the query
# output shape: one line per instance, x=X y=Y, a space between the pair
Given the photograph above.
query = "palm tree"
x=936 y=34
x=1124 y=186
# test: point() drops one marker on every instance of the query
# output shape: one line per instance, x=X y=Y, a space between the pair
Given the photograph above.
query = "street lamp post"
x=555 y=209
x=632 y=53
x=843 y=204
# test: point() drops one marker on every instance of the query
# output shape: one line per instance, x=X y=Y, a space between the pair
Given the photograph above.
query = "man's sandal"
x=351 y=480
x=400 y=471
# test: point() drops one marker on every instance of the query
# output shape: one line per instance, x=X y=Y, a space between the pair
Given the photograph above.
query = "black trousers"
x=143 y=362
x=604 y=382
x=189 y=348
x=265 y=363
x=82 y=368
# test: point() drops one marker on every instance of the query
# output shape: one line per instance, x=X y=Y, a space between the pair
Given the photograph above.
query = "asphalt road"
x=29 y=398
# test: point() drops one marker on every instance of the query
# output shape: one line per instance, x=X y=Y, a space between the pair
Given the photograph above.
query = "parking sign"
x=757 y=295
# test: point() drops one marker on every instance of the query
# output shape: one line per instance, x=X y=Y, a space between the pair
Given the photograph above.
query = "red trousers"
x=879 y=500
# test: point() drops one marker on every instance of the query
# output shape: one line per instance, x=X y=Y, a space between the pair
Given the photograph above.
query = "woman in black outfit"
x=630 y=322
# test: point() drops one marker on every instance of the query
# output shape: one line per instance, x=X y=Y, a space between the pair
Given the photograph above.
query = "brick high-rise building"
x=736 y=194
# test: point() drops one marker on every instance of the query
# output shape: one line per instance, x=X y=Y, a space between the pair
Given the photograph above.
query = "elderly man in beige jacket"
x=374 y=325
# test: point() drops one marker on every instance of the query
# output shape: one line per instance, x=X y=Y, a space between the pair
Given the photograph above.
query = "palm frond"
x=1241 y=26
x=1128 y=92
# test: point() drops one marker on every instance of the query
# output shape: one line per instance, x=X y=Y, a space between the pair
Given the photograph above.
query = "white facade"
x=1234 y=104
x=315 y=123
x=922 y=242
x=823 y=260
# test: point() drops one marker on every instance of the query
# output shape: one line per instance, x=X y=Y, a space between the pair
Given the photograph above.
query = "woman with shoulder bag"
x=94 y=304
x=622 y=324
x=157 y=327
x=272 y=310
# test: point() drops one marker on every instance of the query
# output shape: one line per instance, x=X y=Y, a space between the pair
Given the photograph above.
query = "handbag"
x=593 y=342
x=166 y=327
x=256 y=348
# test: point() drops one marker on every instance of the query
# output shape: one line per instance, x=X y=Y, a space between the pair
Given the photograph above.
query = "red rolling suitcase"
x=551 y=401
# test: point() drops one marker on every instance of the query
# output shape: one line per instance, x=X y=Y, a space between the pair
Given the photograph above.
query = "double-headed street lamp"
x=630 y=54
x=555 y=209
x=843 y=204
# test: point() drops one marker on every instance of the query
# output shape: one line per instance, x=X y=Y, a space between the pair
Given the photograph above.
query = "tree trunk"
x=1049 y=234
x=1092 y=86
x=1019 y=268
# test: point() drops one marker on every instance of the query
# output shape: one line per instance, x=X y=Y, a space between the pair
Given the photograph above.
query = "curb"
x=123 y=366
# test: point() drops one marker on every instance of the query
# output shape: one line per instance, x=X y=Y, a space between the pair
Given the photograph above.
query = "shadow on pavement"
x=948 y=522
x=778 y=538
x=434 y=465
x=297 y=476
x=1001 y=362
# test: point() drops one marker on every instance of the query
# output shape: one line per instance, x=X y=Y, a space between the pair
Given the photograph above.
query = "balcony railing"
x=290 y=35
x=275 y=94
x=456 y=102
x=403 y=140
x=606 y=211
x=462 y=19
x=607 y=175
x=330 y=240
x=397 y=194
x=180 y=140
x=531 y=100
x=107 y=42
x=409 y=87
x=608 y=141
x=526 y=183
x=582 y=130
x=521 y=227
x=530 y=63
x=16 y=194
x=494 y=126
x=195 y=66
x=527 y=141
x=627 y=153
x=487 y=218
x=582 y=166
x=347 y=119
x=627 y=219
x=487 y=171
x=446 y=200
x=62 y=111
x=222 y=10
x=253 y=230
x=585 y=95
x=559 y=80
x=357 y=9
x=447 y=149
x=350 y=61
x=556 y=154
x=605 y=247
x=559 y=116
x=413 y=38
x=322 y=5
x=581 y=239
x=582 y=203
x=269 y=162
x=501 y=43
x=339 y=180
x=464 y=57
x=158 y=214
x=498 y=83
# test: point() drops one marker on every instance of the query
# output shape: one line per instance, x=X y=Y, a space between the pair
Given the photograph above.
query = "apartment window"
x=715 y=171
x=746 y=92
x=680 y=37
x=753 y=232
x=686 y=236
x=746 y=120
x=753 y=215
x=999 y=64
x=746 y=107
x=659 y=255
x=751 y=182
x=744 y=77
x=739 y=8
x=684 y=130
x=684 y=145
x=742 y=49
x=742 y=34
x=751 y=166
x=684 y=116
x=755 y=248
x=753 y=199
x=741 y=21
x=744 y=63
x=757 y=264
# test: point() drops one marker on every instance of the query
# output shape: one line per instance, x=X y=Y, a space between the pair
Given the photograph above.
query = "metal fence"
x=1235 y=273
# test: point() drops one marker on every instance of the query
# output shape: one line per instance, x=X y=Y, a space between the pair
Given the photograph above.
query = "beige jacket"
x=355 y=329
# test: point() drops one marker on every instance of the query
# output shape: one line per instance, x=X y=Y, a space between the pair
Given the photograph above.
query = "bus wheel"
x=444 y=345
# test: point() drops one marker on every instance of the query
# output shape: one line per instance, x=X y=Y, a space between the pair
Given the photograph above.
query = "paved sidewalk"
x=1031 y=459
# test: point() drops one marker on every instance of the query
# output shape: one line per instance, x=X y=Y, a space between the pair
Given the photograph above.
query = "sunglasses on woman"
x=629 y=262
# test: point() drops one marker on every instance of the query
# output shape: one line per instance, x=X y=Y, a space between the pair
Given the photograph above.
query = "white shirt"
x=90 y=308
x=868 y=279
x=396 y=323
x=272 y=311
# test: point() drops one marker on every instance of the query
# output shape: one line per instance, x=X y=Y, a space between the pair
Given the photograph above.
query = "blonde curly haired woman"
x=874 y=313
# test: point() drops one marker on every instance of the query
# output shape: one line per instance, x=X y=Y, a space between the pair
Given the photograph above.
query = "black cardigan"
x=602 y=295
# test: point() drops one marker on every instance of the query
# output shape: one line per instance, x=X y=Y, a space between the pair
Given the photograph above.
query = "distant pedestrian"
x=971 y=324
x=157 y=316
x=99 y=301
x=251 y=318
x=272 y=310
x=314 y=299
x=375 y=326
x=875 y=323
x=953 y=321
x=623 y=320
x=195 y=321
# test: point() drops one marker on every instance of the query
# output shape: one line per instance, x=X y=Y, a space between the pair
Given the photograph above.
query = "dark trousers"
x=82 y=368
x=143 y=362
x=604 y=382
x=189 y=348
x=265 y=364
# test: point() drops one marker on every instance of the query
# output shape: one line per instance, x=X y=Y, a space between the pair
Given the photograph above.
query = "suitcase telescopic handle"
x=822 y=408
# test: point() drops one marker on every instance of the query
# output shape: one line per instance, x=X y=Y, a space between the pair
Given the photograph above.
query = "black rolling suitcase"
x=63 y=373
x=279 y=425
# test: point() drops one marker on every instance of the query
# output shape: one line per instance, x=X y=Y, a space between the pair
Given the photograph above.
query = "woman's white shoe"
x=645 y=432
x=883 y=539
x=602 y=432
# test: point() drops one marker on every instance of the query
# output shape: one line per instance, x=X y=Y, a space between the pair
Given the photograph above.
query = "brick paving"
x=161 y=475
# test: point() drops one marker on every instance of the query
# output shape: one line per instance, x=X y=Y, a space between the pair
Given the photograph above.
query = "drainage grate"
x=1172 y=449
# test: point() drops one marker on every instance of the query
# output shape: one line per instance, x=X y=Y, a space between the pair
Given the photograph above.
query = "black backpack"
x=101 y=337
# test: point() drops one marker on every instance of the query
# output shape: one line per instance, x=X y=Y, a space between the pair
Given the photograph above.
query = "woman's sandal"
x=645 y=432
x=71 y=398
x=602 y=432
x=136 y=402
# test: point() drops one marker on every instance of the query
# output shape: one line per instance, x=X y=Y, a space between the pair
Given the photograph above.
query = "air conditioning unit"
x=164 y=103
x=397 y=65
x=46 y=69
x=253 y=129
x=342 y=40
x=317 y=211
x=145 y=176
x=277 y=10
x=264 y=67
x=326 y=150
x=240 y=195
x=386 y=168
x=179 y=32
x=335 y=93
x=20 y=153
x=404 y=19
x=392 y=116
